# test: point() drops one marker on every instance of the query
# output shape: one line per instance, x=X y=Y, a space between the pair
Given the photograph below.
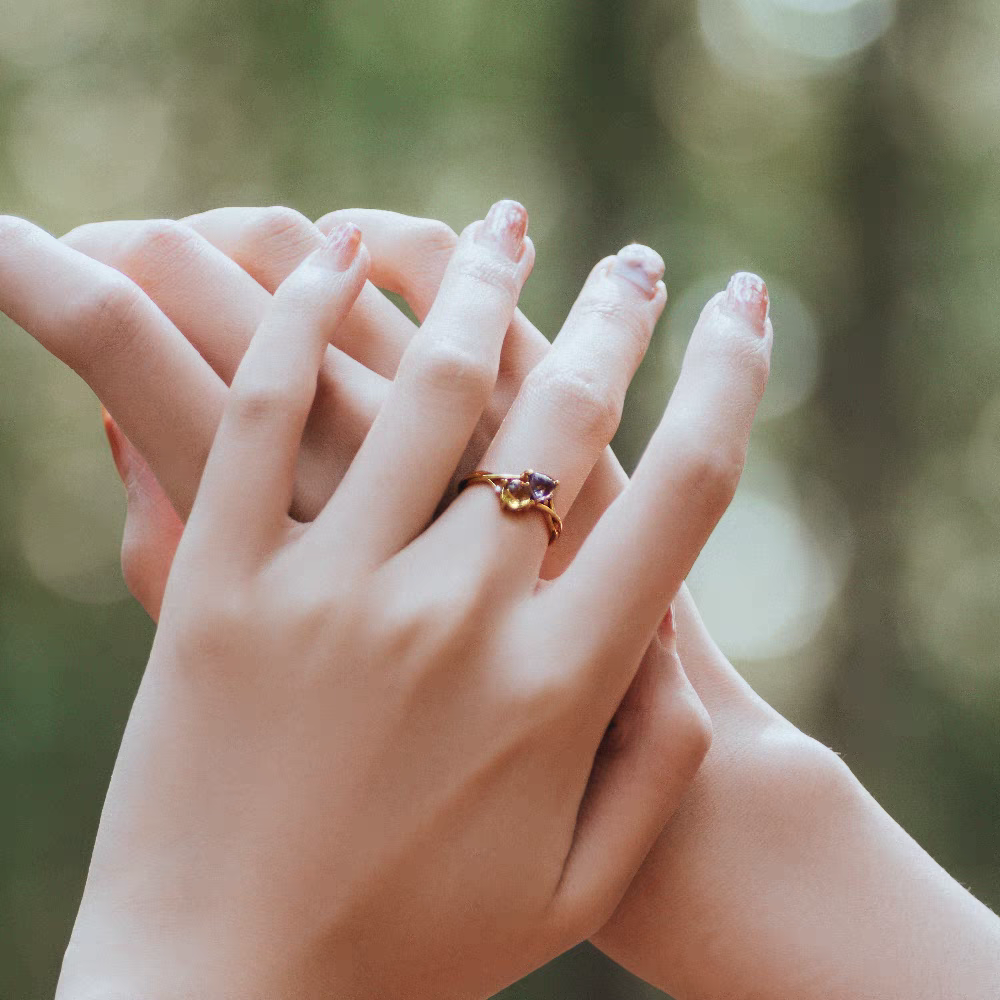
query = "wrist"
x=691 y=923
x=781 y=876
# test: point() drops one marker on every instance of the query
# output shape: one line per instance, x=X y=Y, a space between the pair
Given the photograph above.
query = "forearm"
x=817 y=893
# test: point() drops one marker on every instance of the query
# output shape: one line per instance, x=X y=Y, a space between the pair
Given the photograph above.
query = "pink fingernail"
x=341 y=246
x=505 y=226
x=640 y=266
x=746 y=296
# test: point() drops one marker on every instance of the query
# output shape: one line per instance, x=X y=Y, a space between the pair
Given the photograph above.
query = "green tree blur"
x=846 y=149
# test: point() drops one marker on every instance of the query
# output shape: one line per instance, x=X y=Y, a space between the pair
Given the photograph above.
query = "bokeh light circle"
x=766 y=579
x=96 y=143
x=70 y=528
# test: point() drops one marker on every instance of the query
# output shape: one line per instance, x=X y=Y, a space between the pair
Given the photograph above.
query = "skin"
x=772 y=815
x=472 y=704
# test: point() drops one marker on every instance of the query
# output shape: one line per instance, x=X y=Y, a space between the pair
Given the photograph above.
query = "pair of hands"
x=382 y=736
x=771 y=815
x=428 y=658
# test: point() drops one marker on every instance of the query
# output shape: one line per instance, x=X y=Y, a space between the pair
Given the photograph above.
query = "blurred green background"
x=846 y=149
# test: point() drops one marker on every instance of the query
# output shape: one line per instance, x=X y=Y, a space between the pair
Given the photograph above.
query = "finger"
x=409 y=257
x=568 y=409
x=218 y=306
x=409 y=254
x=645 y=764
x=631 y=567
x=249 y=479
x=269 y=243
x=445 y=379
x=209 y=298
x=152 y=527
x=106 y=329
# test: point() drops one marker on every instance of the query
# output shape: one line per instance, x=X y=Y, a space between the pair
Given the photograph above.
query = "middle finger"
x=568 y=408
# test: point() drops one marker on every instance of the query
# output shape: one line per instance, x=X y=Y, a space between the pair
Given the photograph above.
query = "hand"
x=243 y=561
x=772 y=815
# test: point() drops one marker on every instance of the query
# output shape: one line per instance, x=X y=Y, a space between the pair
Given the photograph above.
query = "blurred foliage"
x=846 y=149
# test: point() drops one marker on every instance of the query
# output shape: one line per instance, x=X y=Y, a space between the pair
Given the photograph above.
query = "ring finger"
x=568 y=408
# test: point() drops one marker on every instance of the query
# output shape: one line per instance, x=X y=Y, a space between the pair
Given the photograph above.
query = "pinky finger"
x=246 y=490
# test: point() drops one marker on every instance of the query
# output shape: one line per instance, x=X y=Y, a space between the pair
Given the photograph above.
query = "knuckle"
x=80 y=237
x=218 y=621
x=260 y=399
x=709 y=474
x=609 y=310
x=272 y=242
x=593 y=406
x=156 y=250
x=109 y=316
x=445 y=366
x=159 y=243
x=488 y=273
x=14 y=229
x=279 y=224
x=434 y=237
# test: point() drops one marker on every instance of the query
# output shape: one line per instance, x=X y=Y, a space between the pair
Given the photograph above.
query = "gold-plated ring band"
x=528 y=491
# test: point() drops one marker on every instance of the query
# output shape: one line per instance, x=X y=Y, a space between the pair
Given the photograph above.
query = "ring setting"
x=530 y=490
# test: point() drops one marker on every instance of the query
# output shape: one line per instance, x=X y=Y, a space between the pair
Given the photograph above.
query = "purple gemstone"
x=541 y=487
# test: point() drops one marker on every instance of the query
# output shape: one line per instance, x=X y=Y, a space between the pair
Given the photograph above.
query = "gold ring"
x=529 y=491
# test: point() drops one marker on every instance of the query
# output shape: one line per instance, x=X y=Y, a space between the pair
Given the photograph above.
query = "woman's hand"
x=466 y=841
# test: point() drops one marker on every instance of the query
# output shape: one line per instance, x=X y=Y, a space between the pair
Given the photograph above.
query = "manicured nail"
x=341 y=246
x=639 y=265
x=746 y=296
x=505 y=226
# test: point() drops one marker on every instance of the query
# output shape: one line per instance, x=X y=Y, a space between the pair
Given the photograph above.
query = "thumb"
x=645 y=764
x=152 y=527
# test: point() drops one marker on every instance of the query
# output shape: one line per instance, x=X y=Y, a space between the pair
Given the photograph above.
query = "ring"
x=529 y=491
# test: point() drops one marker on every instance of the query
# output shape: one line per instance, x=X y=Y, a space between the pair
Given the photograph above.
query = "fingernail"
x=746 y=296
x=120 y=451
x=505 y=226
x=640 y=266
x=341 y=246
